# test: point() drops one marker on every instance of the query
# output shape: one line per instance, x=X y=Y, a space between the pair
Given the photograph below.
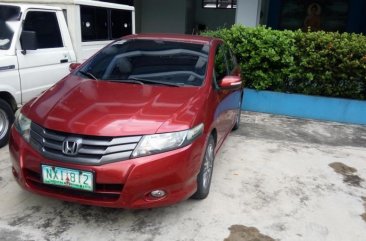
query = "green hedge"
x=312 y=63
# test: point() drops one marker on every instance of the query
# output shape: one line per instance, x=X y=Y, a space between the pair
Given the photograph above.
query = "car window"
x=45 y=25
x=231 y=60
x=221 y=67
x=155 y=60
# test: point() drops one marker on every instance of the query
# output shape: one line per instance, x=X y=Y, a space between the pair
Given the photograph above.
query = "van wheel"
x=205 y=174
x=6 y=120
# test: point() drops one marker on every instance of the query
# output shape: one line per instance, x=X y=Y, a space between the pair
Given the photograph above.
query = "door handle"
x=7 y=67
x=64 y=61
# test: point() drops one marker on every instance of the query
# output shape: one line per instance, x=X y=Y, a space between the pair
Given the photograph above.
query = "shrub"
x=312 y=63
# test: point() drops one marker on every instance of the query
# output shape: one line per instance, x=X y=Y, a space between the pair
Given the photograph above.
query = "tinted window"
x=94 y=23
x=127 y=2
x=121 y=23
x=231 y=60
x=7 y=13
x=219 y=3
x=6 y=35
x=167 y=61
x=99 y=24
x=46 y=27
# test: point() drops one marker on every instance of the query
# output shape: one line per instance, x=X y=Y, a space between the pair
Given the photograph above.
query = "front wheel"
x=6 y=119
x=205 y=174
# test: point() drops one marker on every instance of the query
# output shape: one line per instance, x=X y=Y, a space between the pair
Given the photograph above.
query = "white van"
x=39 y=40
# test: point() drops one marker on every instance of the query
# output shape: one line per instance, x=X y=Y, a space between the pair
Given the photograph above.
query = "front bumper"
x=123 y=184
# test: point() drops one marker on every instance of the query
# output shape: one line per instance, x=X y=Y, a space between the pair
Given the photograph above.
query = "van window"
x=98 y=24
x=7 y=15
x=94 y=23
x=121 y=23
x=46 y=26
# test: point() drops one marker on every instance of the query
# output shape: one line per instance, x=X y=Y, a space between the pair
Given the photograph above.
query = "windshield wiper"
x=132 y=81
x=156 y=82
x=87 y=74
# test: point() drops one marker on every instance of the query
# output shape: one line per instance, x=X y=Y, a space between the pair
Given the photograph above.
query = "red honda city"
x=136 y=126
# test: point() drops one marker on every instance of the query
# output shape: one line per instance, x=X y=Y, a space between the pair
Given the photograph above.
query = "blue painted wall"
x=303 y=106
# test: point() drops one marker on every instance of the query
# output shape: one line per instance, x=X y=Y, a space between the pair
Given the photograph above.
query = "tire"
x=6 y=120
x=205 y=174
x=237 y=121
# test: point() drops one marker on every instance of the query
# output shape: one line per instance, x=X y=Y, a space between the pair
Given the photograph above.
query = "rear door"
x=39 y=69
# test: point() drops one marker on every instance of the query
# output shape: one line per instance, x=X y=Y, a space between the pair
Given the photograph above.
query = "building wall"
x=264 y=12
x=179 y=16
x=137 y=5
x=161 y=16
x=356 y=16
x=356 y=19
x=214 y=18
x=363 y=26
x=190 y=16
x=248 y=12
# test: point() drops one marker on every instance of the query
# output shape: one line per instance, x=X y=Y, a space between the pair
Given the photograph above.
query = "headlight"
x=152 y=144
x=22 y=125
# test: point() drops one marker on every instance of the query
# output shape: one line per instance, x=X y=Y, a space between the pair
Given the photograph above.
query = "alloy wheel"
x=4 y=123
x=208 y=165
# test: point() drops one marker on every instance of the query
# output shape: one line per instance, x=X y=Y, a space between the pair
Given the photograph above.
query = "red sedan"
x=135 y=126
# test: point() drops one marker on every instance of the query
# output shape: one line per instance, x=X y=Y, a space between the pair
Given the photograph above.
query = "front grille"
x=93 y=150
x=102 y=192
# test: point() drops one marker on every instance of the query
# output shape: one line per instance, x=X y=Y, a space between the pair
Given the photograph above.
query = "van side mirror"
x=73 y=66
x=28 y=40
x=231 y=82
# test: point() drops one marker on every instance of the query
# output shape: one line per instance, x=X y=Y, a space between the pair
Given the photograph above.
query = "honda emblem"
x=71 y=146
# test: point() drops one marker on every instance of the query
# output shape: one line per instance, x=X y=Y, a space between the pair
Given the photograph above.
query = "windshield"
x=150 y=62
x=7 y=15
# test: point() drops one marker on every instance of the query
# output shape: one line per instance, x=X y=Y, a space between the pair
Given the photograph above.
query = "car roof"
x=174 y=37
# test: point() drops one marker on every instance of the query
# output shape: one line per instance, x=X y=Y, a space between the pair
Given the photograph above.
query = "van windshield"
x=7 y=15
x=150 y=61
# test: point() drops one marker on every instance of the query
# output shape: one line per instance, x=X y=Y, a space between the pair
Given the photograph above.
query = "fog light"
x=158 y=193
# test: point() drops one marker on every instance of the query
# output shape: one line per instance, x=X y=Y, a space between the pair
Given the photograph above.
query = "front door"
x=39 y=69
x=228 y=100
x=222 y=113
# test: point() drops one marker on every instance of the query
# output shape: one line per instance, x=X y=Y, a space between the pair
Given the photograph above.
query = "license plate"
x=65 y=177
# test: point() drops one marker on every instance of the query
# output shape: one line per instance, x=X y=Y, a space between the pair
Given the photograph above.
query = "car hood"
x=102 y=108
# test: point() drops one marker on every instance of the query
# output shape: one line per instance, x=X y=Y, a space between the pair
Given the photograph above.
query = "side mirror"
x=28 y=40
x=73 y=66
x=231 y=82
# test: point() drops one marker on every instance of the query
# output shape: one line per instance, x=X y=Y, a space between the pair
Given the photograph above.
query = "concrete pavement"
x=276 y=178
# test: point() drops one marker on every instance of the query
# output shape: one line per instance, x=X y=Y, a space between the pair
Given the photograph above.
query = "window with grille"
x=219 y=4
